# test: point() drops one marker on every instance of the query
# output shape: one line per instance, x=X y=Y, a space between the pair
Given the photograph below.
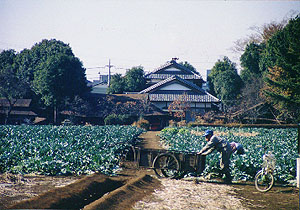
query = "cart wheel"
x=264 y=181
x=166 y=165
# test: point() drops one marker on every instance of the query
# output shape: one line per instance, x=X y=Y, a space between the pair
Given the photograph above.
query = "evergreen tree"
x=282 y=59
x=225 y=81
x=117 y=84
x=134 y=79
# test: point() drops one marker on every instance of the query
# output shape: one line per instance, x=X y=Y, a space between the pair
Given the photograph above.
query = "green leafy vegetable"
x=63 y=150
x=282 y=141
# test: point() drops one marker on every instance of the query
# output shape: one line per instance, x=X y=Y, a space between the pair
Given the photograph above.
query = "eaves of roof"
x=190 y=98
x=16 y=102
x=17 y=112
x=170 y=79
x=165 y=76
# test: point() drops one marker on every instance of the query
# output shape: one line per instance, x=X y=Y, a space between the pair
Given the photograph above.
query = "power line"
x=97 y=67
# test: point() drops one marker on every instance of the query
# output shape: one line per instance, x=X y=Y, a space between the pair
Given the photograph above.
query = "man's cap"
x=239 y=149
x=208 y=132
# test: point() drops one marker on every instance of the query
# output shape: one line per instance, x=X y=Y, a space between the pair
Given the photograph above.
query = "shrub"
x=181 y=123
x=142 y=123
x=122 y=119
x=172 y=123
x=112 y=119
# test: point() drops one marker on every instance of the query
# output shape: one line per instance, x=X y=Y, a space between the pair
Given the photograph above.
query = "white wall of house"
x=175 y=86
x=172 y=69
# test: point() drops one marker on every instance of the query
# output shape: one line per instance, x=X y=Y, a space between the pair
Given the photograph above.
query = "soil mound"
x=97 y=191
x=125 y=196
x=73 y=196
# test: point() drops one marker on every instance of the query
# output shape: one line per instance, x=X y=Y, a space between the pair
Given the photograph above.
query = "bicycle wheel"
x=264 y=181
x=166 y=165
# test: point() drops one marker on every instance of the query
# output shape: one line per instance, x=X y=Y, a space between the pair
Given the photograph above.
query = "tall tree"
x=282 y=58
x=11 y=86
x=51 y=65
x=49 y=70
x=224 y=81
x=250 y=60
x=58 y=77
x=259 y=35
x=134 y=79
x=117 y=84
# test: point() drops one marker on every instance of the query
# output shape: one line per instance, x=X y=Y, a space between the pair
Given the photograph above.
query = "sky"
x=145 y=33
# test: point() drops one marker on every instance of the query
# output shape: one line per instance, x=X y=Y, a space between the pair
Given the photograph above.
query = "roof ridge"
x=168 y=63
x=179 y=66
x=169 y=79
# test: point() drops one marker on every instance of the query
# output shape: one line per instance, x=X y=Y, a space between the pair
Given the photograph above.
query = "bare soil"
x=137 y=188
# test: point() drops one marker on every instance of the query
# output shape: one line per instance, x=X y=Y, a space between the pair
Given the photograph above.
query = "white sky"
x=137 y=32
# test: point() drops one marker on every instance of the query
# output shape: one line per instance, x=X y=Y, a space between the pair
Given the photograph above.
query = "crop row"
x=282 y=141
x=63 y=150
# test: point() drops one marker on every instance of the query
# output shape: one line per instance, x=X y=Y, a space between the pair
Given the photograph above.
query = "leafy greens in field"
x=282 y=141
x=63 y=150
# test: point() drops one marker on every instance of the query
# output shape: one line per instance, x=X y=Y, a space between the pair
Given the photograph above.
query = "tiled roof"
x=16 y=112
x=186 y=73
x=202 y=95
x=190 y=98
x=16 y=102
x=165 y=76
x=152 y=87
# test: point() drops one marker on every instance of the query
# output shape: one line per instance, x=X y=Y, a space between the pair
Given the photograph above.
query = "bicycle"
x=264 y=179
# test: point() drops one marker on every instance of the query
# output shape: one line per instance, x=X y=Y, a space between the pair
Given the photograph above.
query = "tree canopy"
x=282 y=59
x=58 y=77
x=189 y=66
x=250 y=60
x=224 y=81
x=133 y=81
x=49 y=72
x=11 y=86
x=116 y=84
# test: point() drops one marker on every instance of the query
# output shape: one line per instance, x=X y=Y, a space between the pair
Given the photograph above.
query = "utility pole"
x=109 y=66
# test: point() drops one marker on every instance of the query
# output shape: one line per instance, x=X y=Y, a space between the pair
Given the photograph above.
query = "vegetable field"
x=282 y=141
x=63 y=150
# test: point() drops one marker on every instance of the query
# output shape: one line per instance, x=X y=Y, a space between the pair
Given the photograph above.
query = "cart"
x=168 y=163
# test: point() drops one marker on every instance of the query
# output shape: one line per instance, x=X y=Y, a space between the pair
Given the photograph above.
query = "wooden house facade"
x=20 y=111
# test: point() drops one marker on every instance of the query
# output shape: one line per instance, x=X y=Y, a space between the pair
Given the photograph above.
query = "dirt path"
x=180 y=194
x=150 y=140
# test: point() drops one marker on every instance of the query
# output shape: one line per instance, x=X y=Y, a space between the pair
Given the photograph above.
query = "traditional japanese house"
x=174 y=82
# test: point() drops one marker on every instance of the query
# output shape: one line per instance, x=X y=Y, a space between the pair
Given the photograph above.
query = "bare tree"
x=260 y=34
x=179 y=107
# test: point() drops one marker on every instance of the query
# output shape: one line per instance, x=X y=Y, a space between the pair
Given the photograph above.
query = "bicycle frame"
x=269 y=162
x=264 y=179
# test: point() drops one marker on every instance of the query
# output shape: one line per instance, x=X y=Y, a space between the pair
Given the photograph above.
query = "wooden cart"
x=168 y=163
